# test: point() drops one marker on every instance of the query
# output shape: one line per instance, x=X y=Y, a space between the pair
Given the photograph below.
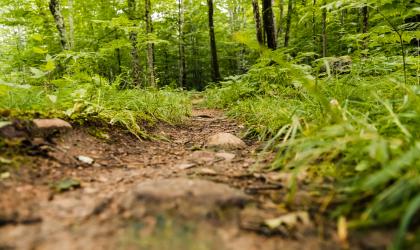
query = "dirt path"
x=168 y=194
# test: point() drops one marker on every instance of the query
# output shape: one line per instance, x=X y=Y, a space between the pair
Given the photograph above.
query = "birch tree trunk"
x=150 y=45
x=324 y=30
x=135 y=58
x=182 y=66
x=54 y=6
x=71 y=24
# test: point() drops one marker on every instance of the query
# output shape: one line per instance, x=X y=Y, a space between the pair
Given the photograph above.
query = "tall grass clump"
x=359 y=130
x=133 y=109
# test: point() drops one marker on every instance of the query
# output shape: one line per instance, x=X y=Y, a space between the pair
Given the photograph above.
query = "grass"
x=133 y=109
x=360 y=130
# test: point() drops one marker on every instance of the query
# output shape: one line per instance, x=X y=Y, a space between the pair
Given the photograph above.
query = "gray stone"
x=186 y=196
x=202 y=157
x=186 y=165
x=225 y=141
x=226 y=156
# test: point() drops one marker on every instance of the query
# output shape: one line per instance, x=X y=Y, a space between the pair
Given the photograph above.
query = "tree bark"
x=365 y=14
x=257 y=19
x=314 y=34
x=288 y=23
x=214 y=60
x=54 y=6
x=135 y=58
x=324 y=30
x=281 y=19
x=71 y=24
x=150 y=45
x=269 y=27
x=182 y=66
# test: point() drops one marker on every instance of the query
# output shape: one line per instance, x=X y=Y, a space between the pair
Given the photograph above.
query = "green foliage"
x=133 y=109
x=359 y=129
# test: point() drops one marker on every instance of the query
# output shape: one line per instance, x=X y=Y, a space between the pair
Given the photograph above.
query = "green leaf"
x=66 y=185
x=38 y=50
x=412 y=209
x=37 y=73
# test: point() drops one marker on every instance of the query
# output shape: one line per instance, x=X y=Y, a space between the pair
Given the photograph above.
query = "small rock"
x=202 y=157
x=47 y=127
x=207 y=171
x=184 y=166
x=12 y=130
x=226 y=156
x=187 y=196
x=225 y=141
x=85 y=159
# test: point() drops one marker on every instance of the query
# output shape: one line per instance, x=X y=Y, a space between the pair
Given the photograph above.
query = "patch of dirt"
x=167 y=194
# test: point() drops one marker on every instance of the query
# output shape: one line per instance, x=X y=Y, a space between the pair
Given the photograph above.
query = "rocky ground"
x=198 y=187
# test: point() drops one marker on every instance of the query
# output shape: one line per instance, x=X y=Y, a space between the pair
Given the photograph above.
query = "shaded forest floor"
x=165 y=194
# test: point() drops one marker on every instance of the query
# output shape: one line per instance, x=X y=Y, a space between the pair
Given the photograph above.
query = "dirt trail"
x=167 y=194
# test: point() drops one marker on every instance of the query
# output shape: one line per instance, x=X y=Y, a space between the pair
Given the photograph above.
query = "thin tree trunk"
x=365 y=14
x=324 y=30
x=182 y=67
x=288 y=23
x=135 y=58
x=269 y=27
x=343 y=26
x=314 y=21
x=71 y=24
x=118 y=53
x=150 y=45
x=54 y=6
x=257 y=19
x=281 y=19
x=214 y=60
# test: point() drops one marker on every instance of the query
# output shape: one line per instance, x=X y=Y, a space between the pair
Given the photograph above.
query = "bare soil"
x=165 y=194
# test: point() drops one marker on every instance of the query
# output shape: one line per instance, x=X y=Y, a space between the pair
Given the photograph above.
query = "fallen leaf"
x=207 y=171
x=85 y=159
x=342 y=231
x=289 y=220
x=66 y=185
x=4 y=175
x=184 y=166
x=5 y=161
x=4 y=124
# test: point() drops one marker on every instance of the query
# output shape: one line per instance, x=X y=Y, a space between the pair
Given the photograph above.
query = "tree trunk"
x=314 y=34
x=182 y=70
x=135 y=58
x=269 y=27
x=59 y=22
x=118 y=54
x=288 y=23
x=324 y=30
x=281 y=19
x=150 y=45
x=71 y=24
x=214 y=61
x=257 y=19
x=365 y=29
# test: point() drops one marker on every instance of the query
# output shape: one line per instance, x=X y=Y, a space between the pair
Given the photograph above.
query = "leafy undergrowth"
x=132 y=109
x=359 y=129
